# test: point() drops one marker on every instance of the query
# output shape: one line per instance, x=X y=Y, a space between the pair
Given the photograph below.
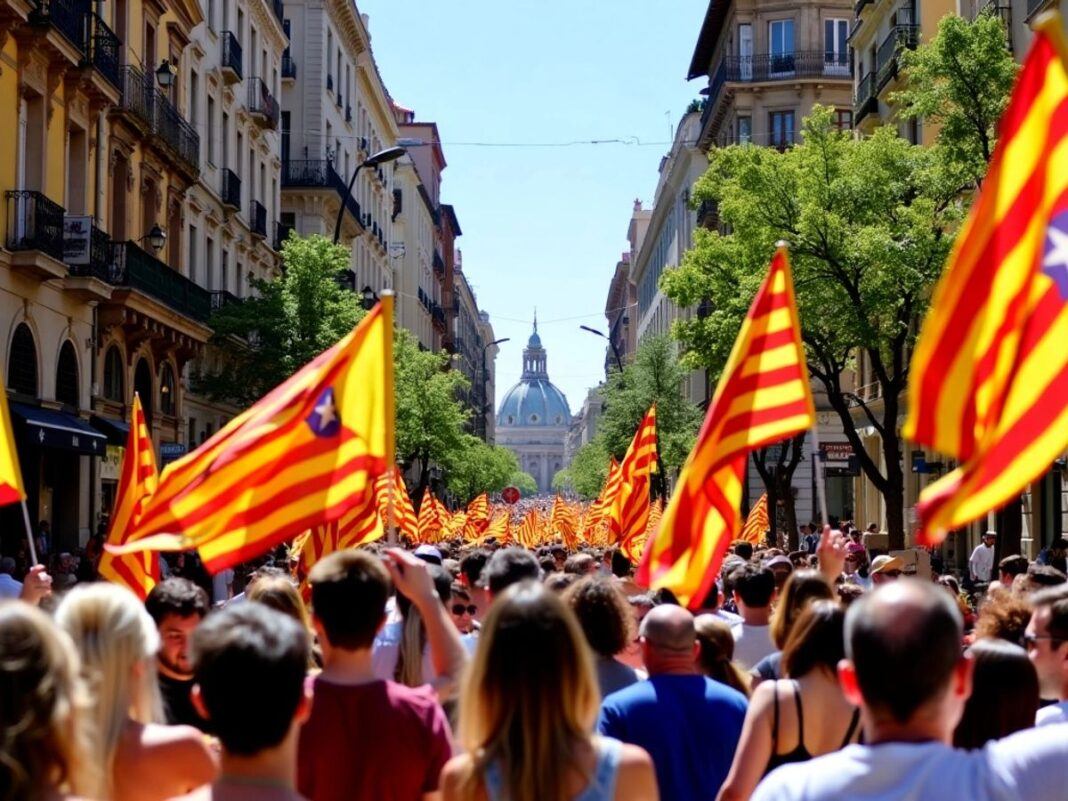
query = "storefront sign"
x=839 y=460
x=111 y=464
x=170 y=451
x=77 y=232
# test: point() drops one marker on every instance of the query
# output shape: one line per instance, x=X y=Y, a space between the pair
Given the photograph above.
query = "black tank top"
x=799 y=753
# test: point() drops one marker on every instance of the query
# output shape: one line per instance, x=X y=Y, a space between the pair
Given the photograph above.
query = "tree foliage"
x=476 y=467
x=587 y=472
x=524 y=482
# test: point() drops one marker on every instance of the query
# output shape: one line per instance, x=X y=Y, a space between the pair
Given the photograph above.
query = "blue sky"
x=543 y=226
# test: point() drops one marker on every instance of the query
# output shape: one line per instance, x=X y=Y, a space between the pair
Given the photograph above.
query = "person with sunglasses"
x=886 y=568
x=462 y=610
x=1046 y=640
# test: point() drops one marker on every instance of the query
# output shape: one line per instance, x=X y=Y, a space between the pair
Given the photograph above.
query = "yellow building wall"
x=55 y=176
x=9 y=108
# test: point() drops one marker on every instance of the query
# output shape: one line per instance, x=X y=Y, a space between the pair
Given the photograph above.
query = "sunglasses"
x=891 y=573
x=459 y=609
x=1030 y=641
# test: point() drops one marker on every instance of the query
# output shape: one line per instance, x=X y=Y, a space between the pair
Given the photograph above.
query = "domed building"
x=534 y=417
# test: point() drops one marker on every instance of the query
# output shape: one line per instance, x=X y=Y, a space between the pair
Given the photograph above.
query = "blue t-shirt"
x=690 y=726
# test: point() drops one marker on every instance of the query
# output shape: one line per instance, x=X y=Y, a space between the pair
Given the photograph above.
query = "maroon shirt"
x=382 y=741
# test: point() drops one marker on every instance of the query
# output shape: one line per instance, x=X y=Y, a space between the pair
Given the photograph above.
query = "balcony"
x=787 y=67
x=866 y=101
x=319 y=174
x=257 y=219
x=102 y=49
x=91 y=270
x=1000 y=9
x=220 y=299
x=150 y=110
x=231 y=57
x=438 y=315
x=136 y=269
x=66 y=16
x=261 y=104
x=230 y=189
x=281 y=234
x=439 y=264
x=35 y=223
x=289 y=67
x=329 y=82
x=899 y=38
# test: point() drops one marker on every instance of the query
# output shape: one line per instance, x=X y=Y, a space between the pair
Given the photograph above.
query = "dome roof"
x=534 y=402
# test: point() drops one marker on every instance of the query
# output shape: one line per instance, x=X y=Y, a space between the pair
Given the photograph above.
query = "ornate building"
x=534 y=418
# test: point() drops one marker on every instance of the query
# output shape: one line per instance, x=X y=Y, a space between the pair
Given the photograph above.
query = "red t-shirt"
x=380 y=741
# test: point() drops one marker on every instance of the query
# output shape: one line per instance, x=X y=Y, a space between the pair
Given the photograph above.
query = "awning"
x=117 y=431
x=52 y=429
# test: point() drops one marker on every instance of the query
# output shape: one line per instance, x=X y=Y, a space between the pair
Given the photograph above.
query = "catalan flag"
x=528 y=533
x=137 y=571
x=598 y=511
x=635 y=547
x=629 y=513
x=989 y=375
x=11 y=489
x=430 y=520
x=302 y=456
x=762 y=397
x=498 y=527
x=757 y=523
x=403 y=512
x=564 y=521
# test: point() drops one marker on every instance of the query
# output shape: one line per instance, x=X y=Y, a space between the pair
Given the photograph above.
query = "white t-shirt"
x=751 y=644
x=1055 y=713
x=982 y=563
x=220 y=585
x=1028 y=766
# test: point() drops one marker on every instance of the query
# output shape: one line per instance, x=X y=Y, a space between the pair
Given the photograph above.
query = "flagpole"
x=821 y=488
x=391 y=456
x=29 y=532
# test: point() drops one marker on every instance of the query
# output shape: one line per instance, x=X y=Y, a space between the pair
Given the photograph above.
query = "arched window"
x=168 y=400
x=22 y=362
x=67 y=376
x=143 y=387
x=114 y=383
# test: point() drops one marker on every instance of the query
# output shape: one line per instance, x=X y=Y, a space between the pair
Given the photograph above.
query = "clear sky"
x=543 y=226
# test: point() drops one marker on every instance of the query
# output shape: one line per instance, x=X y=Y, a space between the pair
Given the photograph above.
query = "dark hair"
x=716 y=654
x=250 y=662
x=176 y=596
x=848 y=592
x=349 y=591
x=621 y=565
x=1014 y=565
x=1004 y=695
x=1045 y=576
x=1056 y=599
x=744 y=549
x=754 y=584
x=603 y=612
x=460 y=591
x=904 y=656
x=510 y=566
x=801 y=588
x=558 y=550
x=579 y=564
x=547 y=564
x=815 y=640
x=472 y=564
x=558 y=582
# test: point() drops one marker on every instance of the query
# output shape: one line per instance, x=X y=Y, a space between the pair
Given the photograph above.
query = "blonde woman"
x=281 y=594
x=530 y=704
x=141 y=760
x=44 y=748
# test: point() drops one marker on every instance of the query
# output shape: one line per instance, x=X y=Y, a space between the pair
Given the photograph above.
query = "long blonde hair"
x=44 y=745
x=530 y=695
x=113 y=633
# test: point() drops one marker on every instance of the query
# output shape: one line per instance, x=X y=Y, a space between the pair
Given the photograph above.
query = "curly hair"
x=1003 y=616
x=603 y=613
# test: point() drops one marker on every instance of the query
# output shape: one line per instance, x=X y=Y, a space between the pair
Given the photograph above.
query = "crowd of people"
x=497 y=673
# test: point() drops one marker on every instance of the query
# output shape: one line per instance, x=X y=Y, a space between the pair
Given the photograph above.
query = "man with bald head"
x=905 y=669
x=688 y=723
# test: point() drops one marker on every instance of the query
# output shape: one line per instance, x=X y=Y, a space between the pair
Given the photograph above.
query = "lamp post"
x=615 y=351
x=485 y=373
x=368 y=298
x=381 y=157
x=157 y=238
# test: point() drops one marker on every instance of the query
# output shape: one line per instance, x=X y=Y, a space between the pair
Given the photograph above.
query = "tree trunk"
x=772 y=489
x=789 y=510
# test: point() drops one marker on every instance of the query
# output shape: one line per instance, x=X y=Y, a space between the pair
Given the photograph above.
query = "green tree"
x=587 y=472
x=476 y=467
x=868 y=221
x=264 y=339
x=524 y=482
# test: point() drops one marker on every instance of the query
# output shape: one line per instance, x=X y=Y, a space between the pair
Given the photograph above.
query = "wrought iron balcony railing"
x=66 y=16
x=319 y=173
x=221 y=298
x=102 y=48
x=100 y=258
x=289 y=66
x=261 y=102
x=137 y=269
x=231 y=53
x=866 y=100
x=257 y=218
x=787 y=66
x=231 y=188
x=34 y=223
x=159 y=116
x=899 y=38
x=439 y=263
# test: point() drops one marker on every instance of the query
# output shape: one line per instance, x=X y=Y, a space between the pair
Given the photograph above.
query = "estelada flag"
x=989 y=377
x=11 y=488
x=629 y=513
x=302 y=456
x=757 y=523
x=762 y=397
x=138 y=571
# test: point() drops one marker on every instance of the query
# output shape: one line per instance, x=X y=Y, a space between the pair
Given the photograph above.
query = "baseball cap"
x=885 y=563
x=775 y=561
x=428 y=553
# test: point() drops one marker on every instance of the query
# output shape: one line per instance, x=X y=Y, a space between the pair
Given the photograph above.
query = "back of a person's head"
x=904 y=640
x=7 y=565
x=1004 y=695
x=716 y=655
x=249 y=663
x=43 y=736
x=802 y=588
x=472 y=564
x=754 y=584
x=1003 y=615
x=176 y=596
x=530 y=693
x=510 y=566
x=349 y=590
x=579 y=564
x=559 y=582
x=280 y=594
x=1014 y=565
x=621 y=565
x=603 y=612
x=744 y=549
x=1041 y=576
x=815 y=640
x=668 y=629
x=1056 y=600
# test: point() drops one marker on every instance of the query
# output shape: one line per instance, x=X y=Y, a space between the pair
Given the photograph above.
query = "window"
x=781 y=128
x=285 y=137
x=745 y=130
x=67 y=376
x=211 y=14
x=22 y=363
x=168 y=400
x=211 y=131
x=781 y=46
x=843 y=119
x=745 y=51
x=835 y=48
x=191 y=254
x=225 y=150
x=113 y=376
x=194 y=98
x=225 y=274
x=209 y=262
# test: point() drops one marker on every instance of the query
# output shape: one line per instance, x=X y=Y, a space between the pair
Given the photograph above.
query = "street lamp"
x=157 y=238
x=381 y=157
x=368 y=298
x=485 y=374
x=165 y=74
x=615 y=351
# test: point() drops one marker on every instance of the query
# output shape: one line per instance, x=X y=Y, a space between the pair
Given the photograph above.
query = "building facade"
x=489 y=376
x=534 y=418
x=619 y=312
x=584 y=423
x=470 y=352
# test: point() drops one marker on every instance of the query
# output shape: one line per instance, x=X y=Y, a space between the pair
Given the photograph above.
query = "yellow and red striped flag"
x=989 y=375
x=430 y=521
x=498 y=527
x=634 y=549
x=11 y=487
x=403 y=512
x=629 y=513
x=563 y=521
x=137 y=571
x=302 y=456
x=757 y=522
x=478 y=509
x=762 y=397
x=599 y=508
x=528 y=532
